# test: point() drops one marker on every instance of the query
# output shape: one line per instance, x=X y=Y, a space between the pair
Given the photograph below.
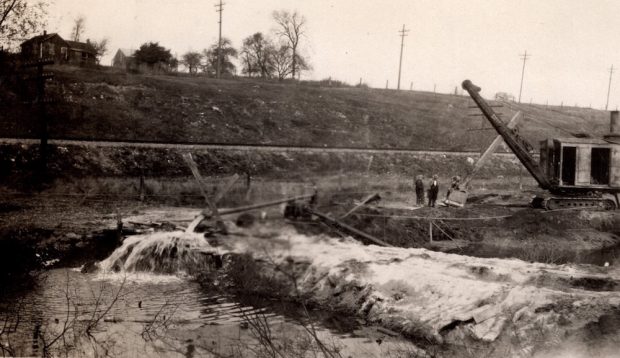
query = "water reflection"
x=74 y=314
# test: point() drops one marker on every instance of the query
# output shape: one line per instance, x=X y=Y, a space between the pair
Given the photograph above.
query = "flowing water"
x=142 y=303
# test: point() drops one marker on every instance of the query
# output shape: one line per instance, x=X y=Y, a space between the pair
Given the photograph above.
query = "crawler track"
x=558 y=203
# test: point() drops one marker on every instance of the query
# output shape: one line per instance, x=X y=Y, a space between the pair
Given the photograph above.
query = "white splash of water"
x=161 y=252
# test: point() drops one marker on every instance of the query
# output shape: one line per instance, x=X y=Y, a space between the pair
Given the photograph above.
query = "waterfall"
x=163 y=252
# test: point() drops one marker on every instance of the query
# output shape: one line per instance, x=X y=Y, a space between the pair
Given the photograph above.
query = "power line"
x=524 y=57
x=219 y=8
x=611 y=72
x=403 y=34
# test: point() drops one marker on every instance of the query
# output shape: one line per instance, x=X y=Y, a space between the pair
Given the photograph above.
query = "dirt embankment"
x=38 y=233
x=500 y=231
x=106 y=104
x=19 y=161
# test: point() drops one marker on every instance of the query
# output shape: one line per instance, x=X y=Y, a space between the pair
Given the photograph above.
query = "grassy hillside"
x=104 y=104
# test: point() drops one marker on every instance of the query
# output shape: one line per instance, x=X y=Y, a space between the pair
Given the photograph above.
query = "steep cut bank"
x=93 y=161
x=106 y=104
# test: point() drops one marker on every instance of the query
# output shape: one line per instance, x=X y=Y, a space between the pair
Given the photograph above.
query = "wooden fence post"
x=430 y=230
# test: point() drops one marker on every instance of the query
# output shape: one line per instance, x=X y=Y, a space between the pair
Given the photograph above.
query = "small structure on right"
x=124 y=58
x=576 y=172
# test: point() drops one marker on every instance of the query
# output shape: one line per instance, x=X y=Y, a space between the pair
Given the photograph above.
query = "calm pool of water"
x=144 y=315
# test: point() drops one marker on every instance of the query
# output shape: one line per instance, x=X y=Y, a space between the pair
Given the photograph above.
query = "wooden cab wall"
x=581 y=162
x=614 y=170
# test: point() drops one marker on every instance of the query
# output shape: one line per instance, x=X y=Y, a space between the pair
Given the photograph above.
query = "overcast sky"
x=573 y=43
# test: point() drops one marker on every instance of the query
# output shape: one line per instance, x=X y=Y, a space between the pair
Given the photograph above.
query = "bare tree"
x=282 y=63
x=248 y=64
x=79 y=25
x=19 y=19
x=192 y=60
x=101 y=48
x=173 y=63
x=291 y=27
x=204 y=66
x=257 y=53
x=228 y=68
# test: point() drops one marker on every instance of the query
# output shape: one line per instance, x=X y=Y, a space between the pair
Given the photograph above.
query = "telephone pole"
x=402 y=35
x=611 y=72
x=524 y=57
x=219 y=8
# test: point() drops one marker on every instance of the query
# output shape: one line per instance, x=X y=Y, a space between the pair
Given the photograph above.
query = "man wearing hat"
x=433 y=191
x=419 y=190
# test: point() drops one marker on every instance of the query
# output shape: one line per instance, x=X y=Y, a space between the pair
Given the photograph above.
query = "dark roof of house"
x=42 y=38
x=126 y=52
x=74 y=45
x=81 y=46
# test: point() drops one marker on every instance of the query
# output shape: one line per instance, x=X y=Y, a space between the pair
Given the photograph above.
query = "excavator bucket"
x=456 y=198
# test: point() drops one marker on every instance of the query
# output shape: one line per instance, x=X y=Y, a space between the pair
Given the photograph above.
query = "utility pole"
x=219 y=8
x=524 y=57
x=611 y=72
x=402 y=35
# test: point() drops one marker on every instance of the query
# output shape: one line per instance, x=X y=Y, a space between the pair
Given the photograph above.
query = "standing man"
x=419 y=190
x=433 y=191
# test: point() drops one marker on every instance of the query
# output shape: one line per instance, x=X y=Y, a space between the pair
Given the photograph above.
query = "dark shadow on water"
x=337 y=323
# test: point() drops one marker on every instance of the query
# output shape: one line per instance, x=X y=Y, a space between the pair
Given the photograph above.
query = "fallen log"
x=369 y=199
x=259 y=205
x=347 y=228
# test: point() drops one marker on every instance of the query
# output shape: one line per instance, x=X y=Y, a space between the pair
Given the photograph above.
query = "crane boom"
x=518 y=145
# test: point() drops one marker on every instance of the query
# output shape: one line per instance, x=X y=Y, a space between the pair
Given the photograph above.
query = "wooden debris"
x=389 y=332
x=262 y=205
x=369 y=199
x=214 y=212
x=347 y=228
x=225 y=189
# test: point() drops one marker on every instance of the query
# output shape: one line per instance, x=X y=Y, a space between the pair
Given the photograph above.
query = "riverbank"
x=443 y=302
x=449 y=304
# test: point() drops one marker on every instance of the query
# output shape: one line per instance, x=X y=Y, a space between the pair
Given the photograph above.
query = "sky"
x=572 y=43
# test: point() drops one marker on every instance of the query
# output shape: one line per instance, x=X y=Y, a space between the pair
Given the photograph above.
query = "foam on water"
x=162 y=252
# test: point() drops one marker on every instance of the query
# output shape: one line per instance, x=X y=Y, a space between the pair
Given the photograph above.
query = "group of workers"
x=433 y=189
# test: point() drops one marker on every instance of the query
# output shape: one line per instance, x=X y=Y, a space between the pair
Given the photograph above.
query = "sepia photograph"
x=310 y=178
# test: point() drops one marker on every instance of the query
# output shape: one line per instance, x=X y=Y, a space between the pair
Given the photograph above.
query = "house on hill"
x=124 y=58
x=61 y=51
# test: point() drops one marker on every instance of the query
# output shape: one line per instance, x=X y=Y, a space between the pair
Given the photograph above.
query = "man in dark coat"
x=433 y=191
x=419 y=190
